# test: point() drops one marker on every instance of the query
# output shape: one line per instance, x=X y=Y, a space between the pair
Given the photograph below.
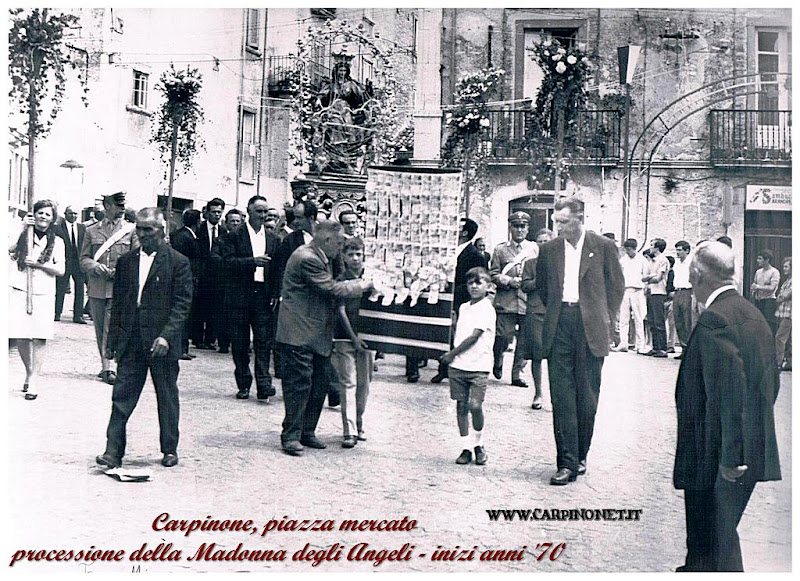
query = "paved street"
x=231 y=467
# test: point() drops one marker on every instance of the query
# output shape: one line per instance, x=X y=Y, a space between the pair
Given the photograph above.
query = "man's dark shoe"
x=412 y=377
x=465 y=457
x=333 y=399
x=518 y=382
x=242 y=394
x=497 y=371
x=563 y=476
x=109 y=377
x=379 y=355
x=223 y=350
x=79 y=321
x=438 y=378
x=185 y=357
x=647 y=353
x=679 y=356
x=480 y=456
x=266 y=392
x=581 y=467
x=660 y=354
x=349 y=442
x=57 y=318
x=293 y=448
x=106 y=459
x=670 y=349
x=169 y=460
x=313 y=442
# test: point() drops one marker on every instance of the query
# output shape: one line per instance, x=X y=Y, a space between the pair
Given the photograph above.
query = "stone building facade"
x=710 y=120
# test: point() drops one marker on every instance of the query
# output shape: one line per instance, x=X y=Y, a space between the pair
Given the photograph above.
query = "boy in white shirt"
x=471 y=361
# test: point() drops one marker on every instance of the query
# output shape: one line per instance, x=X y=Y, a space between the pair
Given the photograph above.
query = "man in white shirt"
x=581 y=283
x=764 y=289
x=634 y=303
x=247 y=257
x=72 y=232
x=657 y=285
x=682 y=299
x=152 y=299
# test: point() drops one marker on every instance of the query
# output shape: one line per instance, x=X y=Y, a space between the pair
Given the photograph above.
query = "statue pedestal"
x=332 y=192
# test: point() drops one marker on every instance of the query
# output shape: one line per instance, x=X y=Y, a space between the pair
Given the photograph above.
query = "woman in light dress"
x=45 y=261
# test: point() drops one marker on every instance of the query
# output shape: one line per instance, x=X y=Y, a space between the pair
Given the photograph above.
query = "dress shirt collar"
x=191 y=232
x=253 y=232
x=718 y=292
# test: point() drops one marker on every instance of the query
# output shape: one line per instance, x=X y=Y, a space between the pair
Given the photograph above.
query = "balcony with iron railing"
x=594 y=138
x=750 y=137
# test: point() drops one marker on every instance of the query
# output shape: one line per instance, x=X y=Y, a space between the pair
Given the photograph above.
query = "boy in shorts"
x=350 y=358
x=471 y=361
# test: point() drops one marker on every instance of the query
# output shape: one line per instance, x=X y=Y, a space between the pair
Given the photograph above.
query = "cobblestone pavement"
x=231 y=467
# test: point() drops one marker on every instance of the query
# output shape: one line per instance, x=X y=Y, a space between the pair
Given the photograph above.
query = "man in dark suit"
x=152 y=298
x=209 y=294
x=727 y=387
x=305 y=332
x=72 y=232
x=580 y=282
x=468 y=256
x=233 y=219
x=247 y=256
x=185 y=242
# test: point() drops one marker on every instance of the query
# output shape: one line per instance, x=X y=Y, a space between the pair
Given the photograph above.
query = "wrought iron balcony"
x=280 y=74
x=751 y=137
x=595 y=137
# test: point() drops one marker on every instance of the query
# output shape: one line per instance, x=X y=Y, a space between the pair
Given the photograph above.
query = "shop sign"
x=775 y=198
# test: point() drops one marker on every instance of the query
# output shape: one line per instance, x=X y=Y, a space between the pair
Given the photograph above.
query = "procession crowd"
x=288 y=288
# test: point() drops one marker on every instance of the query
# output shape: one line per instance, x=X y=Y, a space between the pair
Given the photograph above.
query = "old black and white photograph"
x=455 y=289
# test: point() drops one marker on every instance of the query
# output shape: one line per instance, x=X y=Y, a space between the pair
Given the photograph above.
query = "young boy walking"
x=351 y=359
x=471 y=361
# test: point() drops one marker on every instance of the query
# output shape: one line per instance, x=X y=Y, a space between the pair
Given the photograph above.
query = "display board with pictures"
x=410 y=238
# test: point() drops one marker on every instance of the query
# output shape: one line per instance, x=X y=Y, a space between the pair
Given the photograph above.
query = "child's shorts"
x=467 y=386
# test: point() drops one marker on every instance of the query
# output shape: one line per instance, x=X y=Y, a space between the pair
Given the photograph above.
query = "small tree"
x=37 y=56
x=175 y=129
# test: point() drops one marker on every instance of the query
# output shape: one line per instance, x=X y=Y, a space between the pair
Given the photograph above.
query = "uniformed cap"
x=117 y=198
x=519 y=218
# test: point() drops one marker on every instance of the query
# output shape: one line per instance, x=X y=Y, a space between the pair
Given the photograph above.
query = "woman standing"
x=46 y=261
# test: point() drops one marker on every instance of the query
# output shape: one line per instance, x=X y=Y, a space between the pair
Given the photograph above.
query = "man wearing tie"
x=581 y=284
x=72 y=232
x=152 y=298
x=248 y=256
x=209 y=293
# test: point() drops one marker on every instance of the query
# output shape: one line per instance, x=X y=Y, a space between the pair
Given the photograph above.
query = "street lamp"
x=72 y=165
x=627 y=57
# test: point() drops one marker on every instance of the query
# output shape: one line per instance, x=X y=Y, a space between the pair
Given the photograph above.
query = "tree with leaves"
x=175 y=128
x=37 y=61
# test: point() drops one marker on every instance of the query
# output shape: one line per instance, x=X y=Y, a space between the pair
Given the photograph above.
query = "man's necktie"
x=72 y=235
x=213 y=234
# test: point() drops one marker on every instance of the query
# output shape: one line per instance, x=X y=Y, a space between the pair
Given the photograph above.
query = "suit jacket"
x=469 y=258
x=535 y=304
x=240 y=266
x=185 y=242
x=507 y=299
x=101 y=287
x=601 y=286
x=73 y=252
x=166 y=302
x=727 y=386
x=204 y=244
x=309 y=299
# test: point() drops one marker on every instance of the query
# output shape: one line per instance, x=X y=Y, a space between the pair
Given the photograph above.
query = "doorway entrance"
x=540 y=211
